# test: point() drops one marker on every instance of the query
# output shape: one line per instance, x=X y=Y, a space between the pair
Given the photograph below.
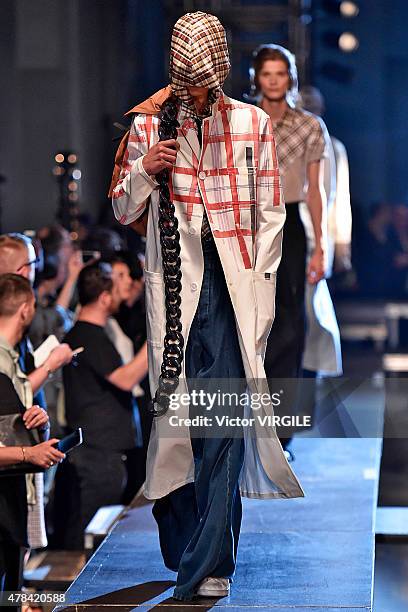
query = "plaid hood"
x=198 y=55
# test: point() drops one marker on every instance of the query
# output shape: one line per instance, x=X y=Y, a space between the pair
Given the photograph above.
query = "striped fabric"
x=36 y=520
x=206 y=234
x=198 y=56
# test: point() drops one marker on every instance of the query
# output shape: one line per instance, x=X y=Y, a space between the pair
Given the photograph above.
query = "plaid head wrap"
x=198 y=55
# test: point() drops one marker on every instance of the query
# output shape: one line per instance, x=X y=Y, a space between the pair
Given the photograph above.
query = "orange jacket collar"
x=153 y=104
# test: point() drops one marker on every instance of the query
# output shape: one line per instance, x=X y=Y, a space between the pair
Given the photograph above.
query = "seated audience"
x=98 y=398
x=17 y=256
x=18 y=493
x=124 y=284
x=56 y=240
x=53 y=314
x=379 y=256
x=105 y=240
x=131 y=315
x=399 y=236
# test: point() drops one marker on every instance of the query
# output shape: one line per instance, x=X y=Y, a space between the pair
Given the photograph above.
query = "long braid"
x=170 y=249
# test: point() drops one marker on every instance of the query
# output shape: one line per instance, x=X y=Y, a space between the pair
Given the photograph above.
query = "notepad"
x=42 y=353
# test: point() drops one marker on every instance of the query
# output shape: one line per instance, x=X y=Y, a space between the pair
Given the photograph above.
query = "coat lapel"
x=188 y=139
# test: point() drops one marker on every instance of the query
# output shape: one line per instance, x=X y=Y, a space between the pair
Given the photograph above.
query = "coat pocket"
x=155 y=308
x=264 y=289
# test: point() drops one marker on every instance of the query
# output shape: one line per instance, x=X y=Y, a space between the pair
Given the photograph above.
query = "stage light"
x=348 y=42
x=349 y=9
x=58 y=171
x=68 y=178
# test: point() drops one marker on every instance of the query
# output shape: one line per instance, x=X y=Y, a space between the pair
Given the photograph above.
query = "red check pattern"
x=219 y=179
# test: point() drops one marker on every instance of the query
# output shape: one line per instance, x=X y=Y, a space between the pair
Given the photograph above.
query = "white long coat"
x=322 y=353
x=235 y=176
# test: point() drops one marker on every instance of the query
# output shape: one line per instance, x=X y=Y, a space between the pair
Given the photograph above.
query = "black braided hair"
x=170 y=248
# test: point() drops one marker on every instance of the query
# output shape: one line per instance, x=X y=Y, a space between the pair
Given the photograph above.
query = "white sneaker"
x=214 y=587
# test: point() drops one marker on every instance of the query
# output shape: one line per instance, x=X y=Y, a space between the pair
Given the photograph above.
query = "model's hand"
x=161 y=156
x=316 y=267
x=44 y=454
x=35 y=417
x=59 y=357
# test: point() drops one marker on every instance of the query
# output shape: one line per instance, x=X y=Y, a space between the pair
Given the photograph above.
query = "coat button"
x=202 y=175
x=192 y=230
x=194 y=286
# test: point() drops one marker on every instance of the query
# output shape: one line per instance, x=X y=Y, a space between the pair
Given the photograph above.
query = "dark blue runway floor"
x=314 y=554
x=310 y=554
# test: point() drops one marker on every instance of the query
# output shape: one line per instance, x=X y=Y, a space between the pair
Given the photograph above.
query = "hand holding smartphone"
x=69 y=442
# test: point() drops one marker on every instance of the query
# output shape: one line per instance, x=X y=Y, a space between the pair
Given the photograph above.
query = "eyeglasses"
x=28 y=263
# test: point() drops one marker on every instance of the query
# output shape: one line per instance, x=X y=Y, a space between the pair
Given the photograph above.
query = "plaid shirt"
x=300 y=140
x=298 y=134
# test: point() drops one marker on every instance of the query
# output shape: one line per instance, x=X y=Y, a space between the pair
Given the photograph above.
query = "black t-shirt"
x=13 y=493
x=104 y=412
x=132 y=320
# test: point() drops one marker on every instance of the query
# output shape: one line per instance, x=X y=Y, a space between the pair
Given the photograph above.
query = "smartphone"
x=69 y=442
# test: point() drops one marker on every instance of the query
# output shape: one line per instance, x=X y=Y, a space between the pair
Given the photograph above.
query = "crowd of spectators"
x=380 y=252
x=89 y=295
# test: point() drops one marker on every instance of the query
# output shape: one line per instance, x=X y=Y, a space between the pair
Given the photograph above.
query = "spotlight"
x=68 y=178
x=348 y=42
x=349 y=9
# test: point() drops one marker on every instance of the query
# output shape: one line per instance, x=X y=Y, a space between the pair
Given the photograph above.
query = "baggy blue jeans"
x=199 y=523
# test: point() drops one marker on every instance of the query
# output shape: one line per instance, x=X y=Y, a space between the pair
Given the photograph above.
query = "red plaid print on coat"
x=237 y=166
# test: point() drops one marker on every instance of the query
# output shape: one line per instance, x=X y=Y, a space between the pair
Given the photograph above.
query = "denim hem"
x=184 y=596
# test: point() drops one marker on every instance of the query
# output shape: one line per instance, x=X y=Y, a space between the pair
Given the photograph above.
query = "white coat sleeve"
x=134 y=186
x=342 y=202
x=271 y=212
